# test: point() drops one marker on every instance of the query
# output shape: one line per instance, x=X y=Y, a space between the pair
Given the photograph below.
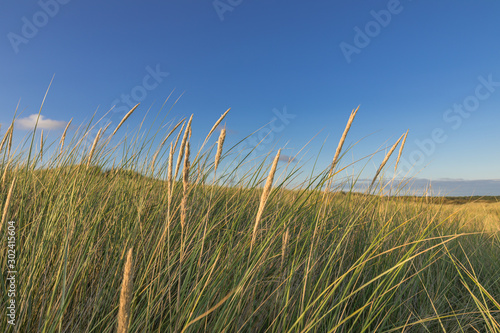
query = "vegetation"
x=161 y=243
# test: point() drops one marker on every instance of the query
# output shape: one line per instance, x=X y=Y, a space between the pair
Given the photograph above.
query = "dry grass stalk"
x=7 y=203
x=163 y=142
x=214 y=127
x=5 y=137
x=385 y=160
x=169 y=171
x=183 y=145
x=106 y=127
x=172 y=131
x=126 y=295
x=217 y=123
x=4 y=176
x=264 y=196
x=124 y=119
x=401 y=150
x=41 y=146
x=63 y=137
x=220 y=144
x=286 y=237
x=10 y=139
x=185 y=183
x=209 y=311
x=342 y=140
x=94 y=145
x=178 y=136
x=169 y=203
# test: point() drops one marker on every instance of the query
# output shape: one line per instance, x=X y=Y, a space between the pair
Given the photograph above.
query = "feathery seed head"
x=386 y=159
x=126 y=295
x=63 y=137
x=342 y=140
x=264 y=196
x=124 y=119
x=401 y=150
x=220 y=144
x=94 y=145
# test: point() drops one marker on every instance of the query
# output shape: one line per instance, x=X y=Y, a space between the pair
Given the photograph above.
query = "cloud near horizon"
x=29 y=122
x=286 y=158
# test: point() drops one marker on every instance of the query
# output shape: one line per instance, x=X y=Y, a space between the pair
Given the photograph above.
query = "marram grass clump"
x=134 y=232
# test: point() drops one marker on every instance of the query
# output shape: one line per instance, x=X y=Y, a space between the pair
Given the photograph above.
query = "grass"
x=142 y=247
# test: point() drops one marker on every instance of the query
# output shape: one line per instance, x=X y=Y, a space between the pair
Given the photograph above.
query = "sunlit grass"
x=212 y=257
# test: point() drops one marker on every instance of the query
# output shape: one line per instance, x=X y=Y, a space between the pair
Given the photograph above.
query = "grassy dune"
x=158 y=244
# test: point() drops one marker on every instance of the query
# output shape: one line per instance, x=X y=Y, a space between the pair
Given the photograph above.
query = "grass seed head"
x=63 y=137
x=92 y=150
x=401 y=150
x=217 y=123
x=342 y=140
x=126 y=295
x=220 y=144
x=5 y=137
x=183 y=146
x=124 y=119
x=264 y=196
x=385 y=160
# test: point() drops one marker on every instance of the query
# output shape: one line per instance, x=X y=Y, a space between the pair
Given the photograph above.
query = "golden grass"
x=7 y=203
x=264 y=197
x=5 y=137
x=124 y=119
x=479 y=215
x=163 y=143
x=63 y=137
x=220 y=143
x=386 y=159
x=92 y=150
x=217 y=123
x=179 y=135
x=401 y=150
x=10 y=139
x=171 y=131
x=342 y=140
x=126 y=295
x=169 y=170
x=182 y=148
x=185 y=184
x=41 y=145
x=4 y=176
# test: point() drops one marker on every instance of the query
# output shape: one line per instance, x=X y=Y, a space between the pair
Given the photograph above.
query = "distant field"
x=162 y=243
x=461 y=200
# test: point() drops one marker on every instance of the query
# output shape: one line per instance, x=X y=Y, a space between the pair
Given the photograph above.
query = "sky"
x=293 y=69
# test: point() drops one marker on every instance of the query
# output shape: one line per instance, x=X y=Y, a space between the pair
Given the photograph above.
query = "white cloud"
x=43 y=123
x=286 y=158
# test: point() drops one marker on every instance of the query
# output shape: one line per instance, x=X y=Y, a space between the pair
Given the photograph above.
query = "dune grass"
x=148 y=247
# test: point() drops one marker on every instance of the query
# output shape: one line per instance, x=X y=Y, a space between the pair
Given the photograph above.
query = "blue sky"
x=430 y=67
